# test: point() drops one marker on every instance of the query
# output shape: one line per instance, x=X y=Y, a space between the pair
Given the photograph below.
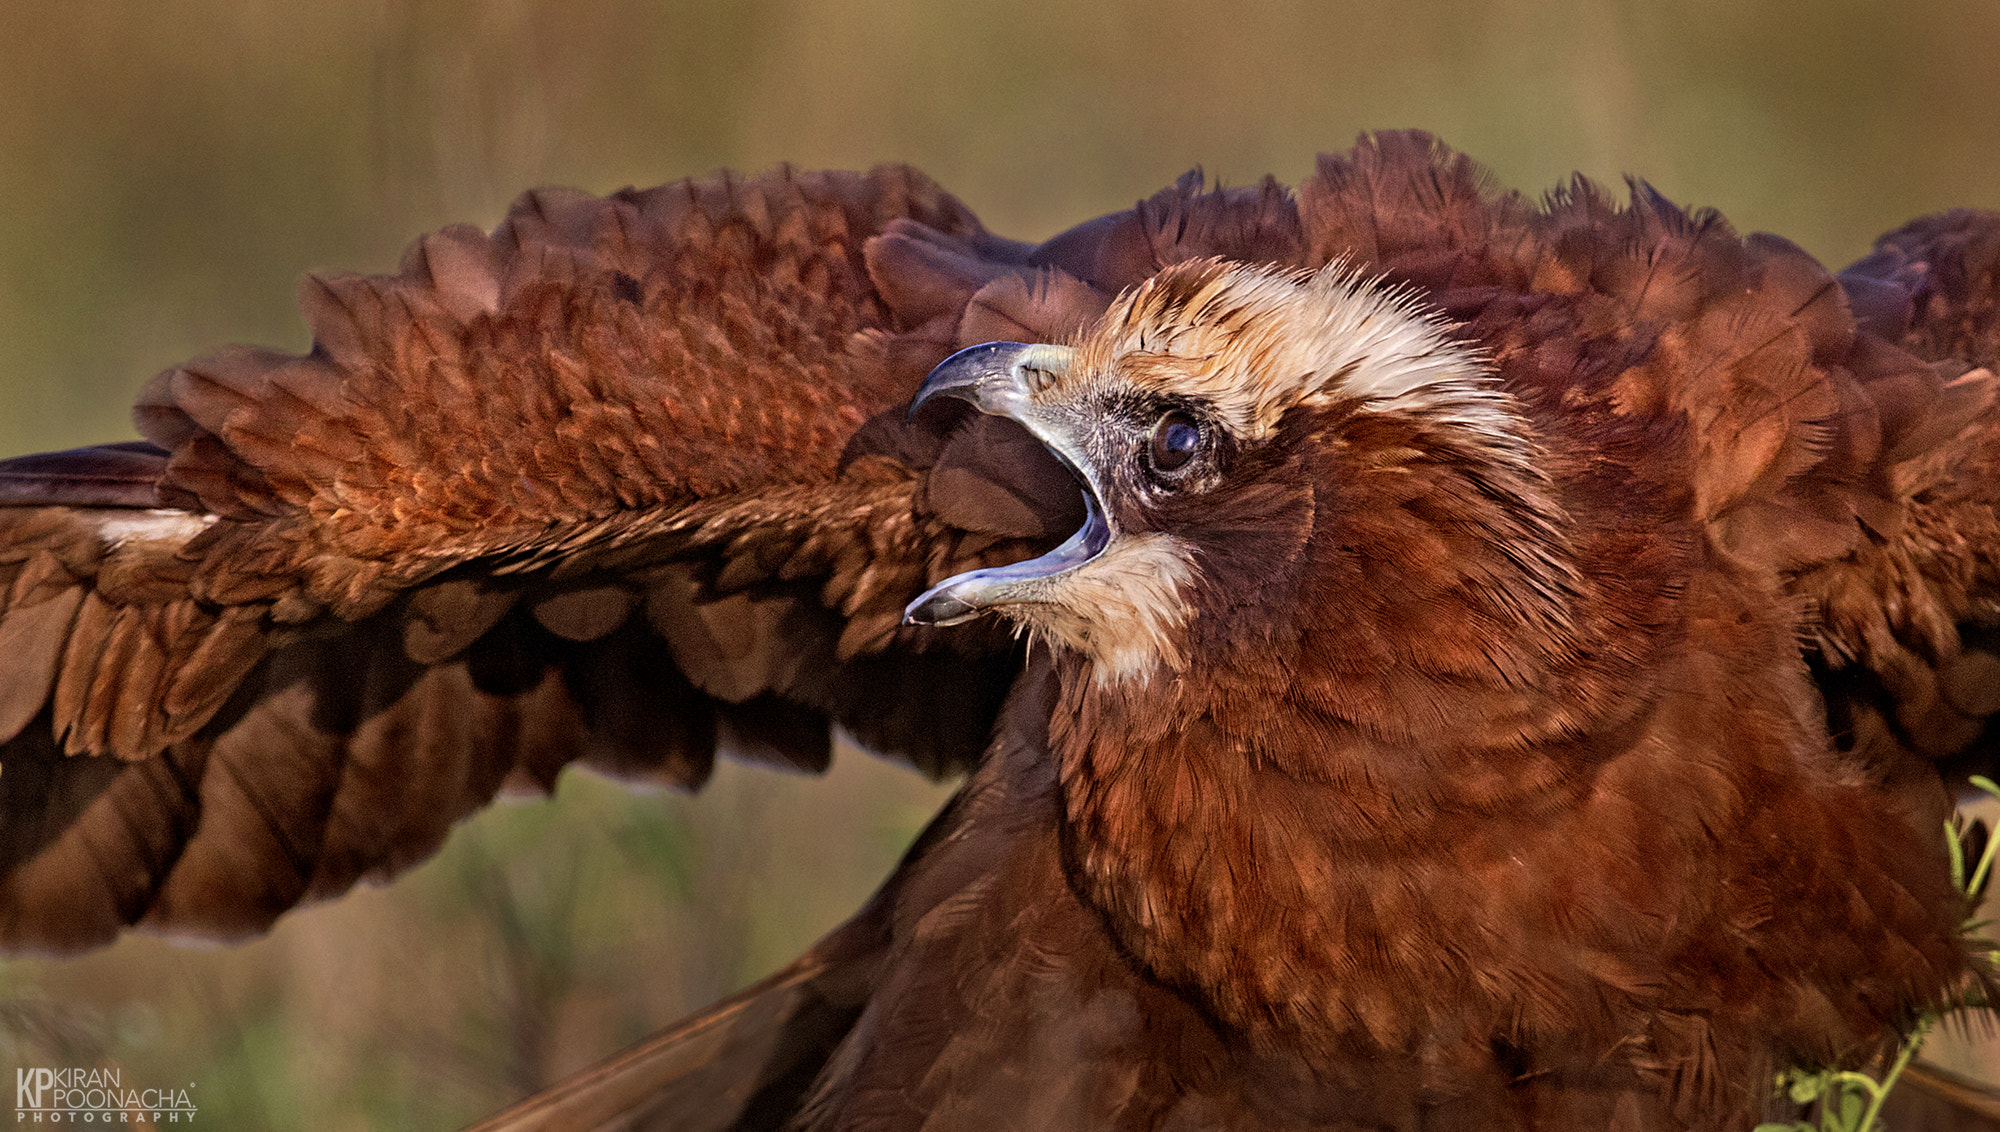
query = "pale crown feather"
x=1264 y=340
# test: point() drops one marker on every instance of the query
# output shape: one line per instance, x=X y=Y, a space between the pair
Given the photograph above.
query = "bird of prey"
x=1420 y=658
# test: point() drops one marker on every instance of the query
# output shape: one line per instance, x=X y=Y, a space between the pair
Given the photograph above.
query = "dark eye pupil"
x=1176 y=439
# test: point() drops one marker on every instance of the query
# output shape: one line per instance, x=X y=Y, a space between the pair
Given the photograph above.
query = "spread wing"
x=625 y=481
x=580 y=488
x=1844 y=431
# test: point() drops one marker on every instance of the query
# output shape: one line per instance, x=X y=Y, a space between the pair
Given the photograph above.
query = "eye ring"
x=1174 y=443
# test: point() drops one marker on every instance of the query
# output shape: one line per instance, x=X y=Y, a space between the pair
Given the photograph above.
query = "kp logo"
x=91 y=1096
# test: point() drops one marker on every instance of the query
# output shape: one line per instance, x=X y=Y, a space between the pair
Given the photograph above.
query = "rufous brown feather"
x=1420 y=658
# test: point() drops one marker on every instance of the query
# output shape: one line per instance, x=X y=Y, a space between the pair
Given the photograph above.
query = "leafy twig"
x=1850 y=1101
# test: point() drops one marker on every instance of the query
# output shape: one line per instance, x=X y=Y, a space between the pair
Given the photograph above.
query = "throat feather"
x=1127 y=610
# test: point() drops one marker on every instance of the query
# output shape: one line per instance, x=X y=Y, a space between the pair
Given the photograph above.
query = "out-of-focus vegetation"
x=543 y=938
x=168 y=171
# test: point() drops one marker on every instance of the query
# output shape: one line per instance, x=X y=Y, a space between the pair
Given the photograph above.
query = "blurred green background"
x=169 y=170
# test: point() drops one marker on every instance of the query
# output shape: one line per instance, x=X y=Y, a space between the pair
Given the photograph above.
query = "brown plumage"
x=1497 y=675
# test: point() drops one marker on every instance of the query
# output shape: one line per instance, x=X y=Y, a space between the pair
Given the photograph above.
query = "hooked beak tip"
x=995 y=377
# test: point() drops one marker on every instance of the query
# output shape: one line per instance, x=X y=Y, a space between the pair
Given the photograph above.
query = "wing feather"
x=1840 y=433
x=33 y=635
x=622 y=481
x=1908 y=621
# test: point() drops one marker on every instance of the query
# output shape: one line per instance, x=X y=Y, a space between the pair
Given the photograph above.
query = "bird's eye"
x=1175 y=443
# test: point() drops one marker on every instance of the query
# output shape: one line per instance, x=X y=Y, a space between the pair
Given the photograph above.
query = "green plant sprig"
x=1851 y=1101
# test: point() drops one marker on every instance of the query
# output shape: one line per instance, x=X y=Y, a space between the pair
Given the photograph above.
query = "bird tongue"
x=992 y=476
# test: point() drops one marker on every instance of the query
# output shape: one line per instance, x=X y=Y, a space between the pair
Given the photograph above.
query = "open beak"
x=1001 y=379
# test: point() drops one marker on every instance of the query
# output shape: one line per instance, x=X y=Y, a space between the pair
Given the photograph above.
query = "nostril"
x=1036 y=378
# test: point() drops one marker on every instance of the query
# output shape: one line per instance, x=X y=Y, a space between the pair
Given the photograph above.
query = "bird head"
x=1238 y=431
